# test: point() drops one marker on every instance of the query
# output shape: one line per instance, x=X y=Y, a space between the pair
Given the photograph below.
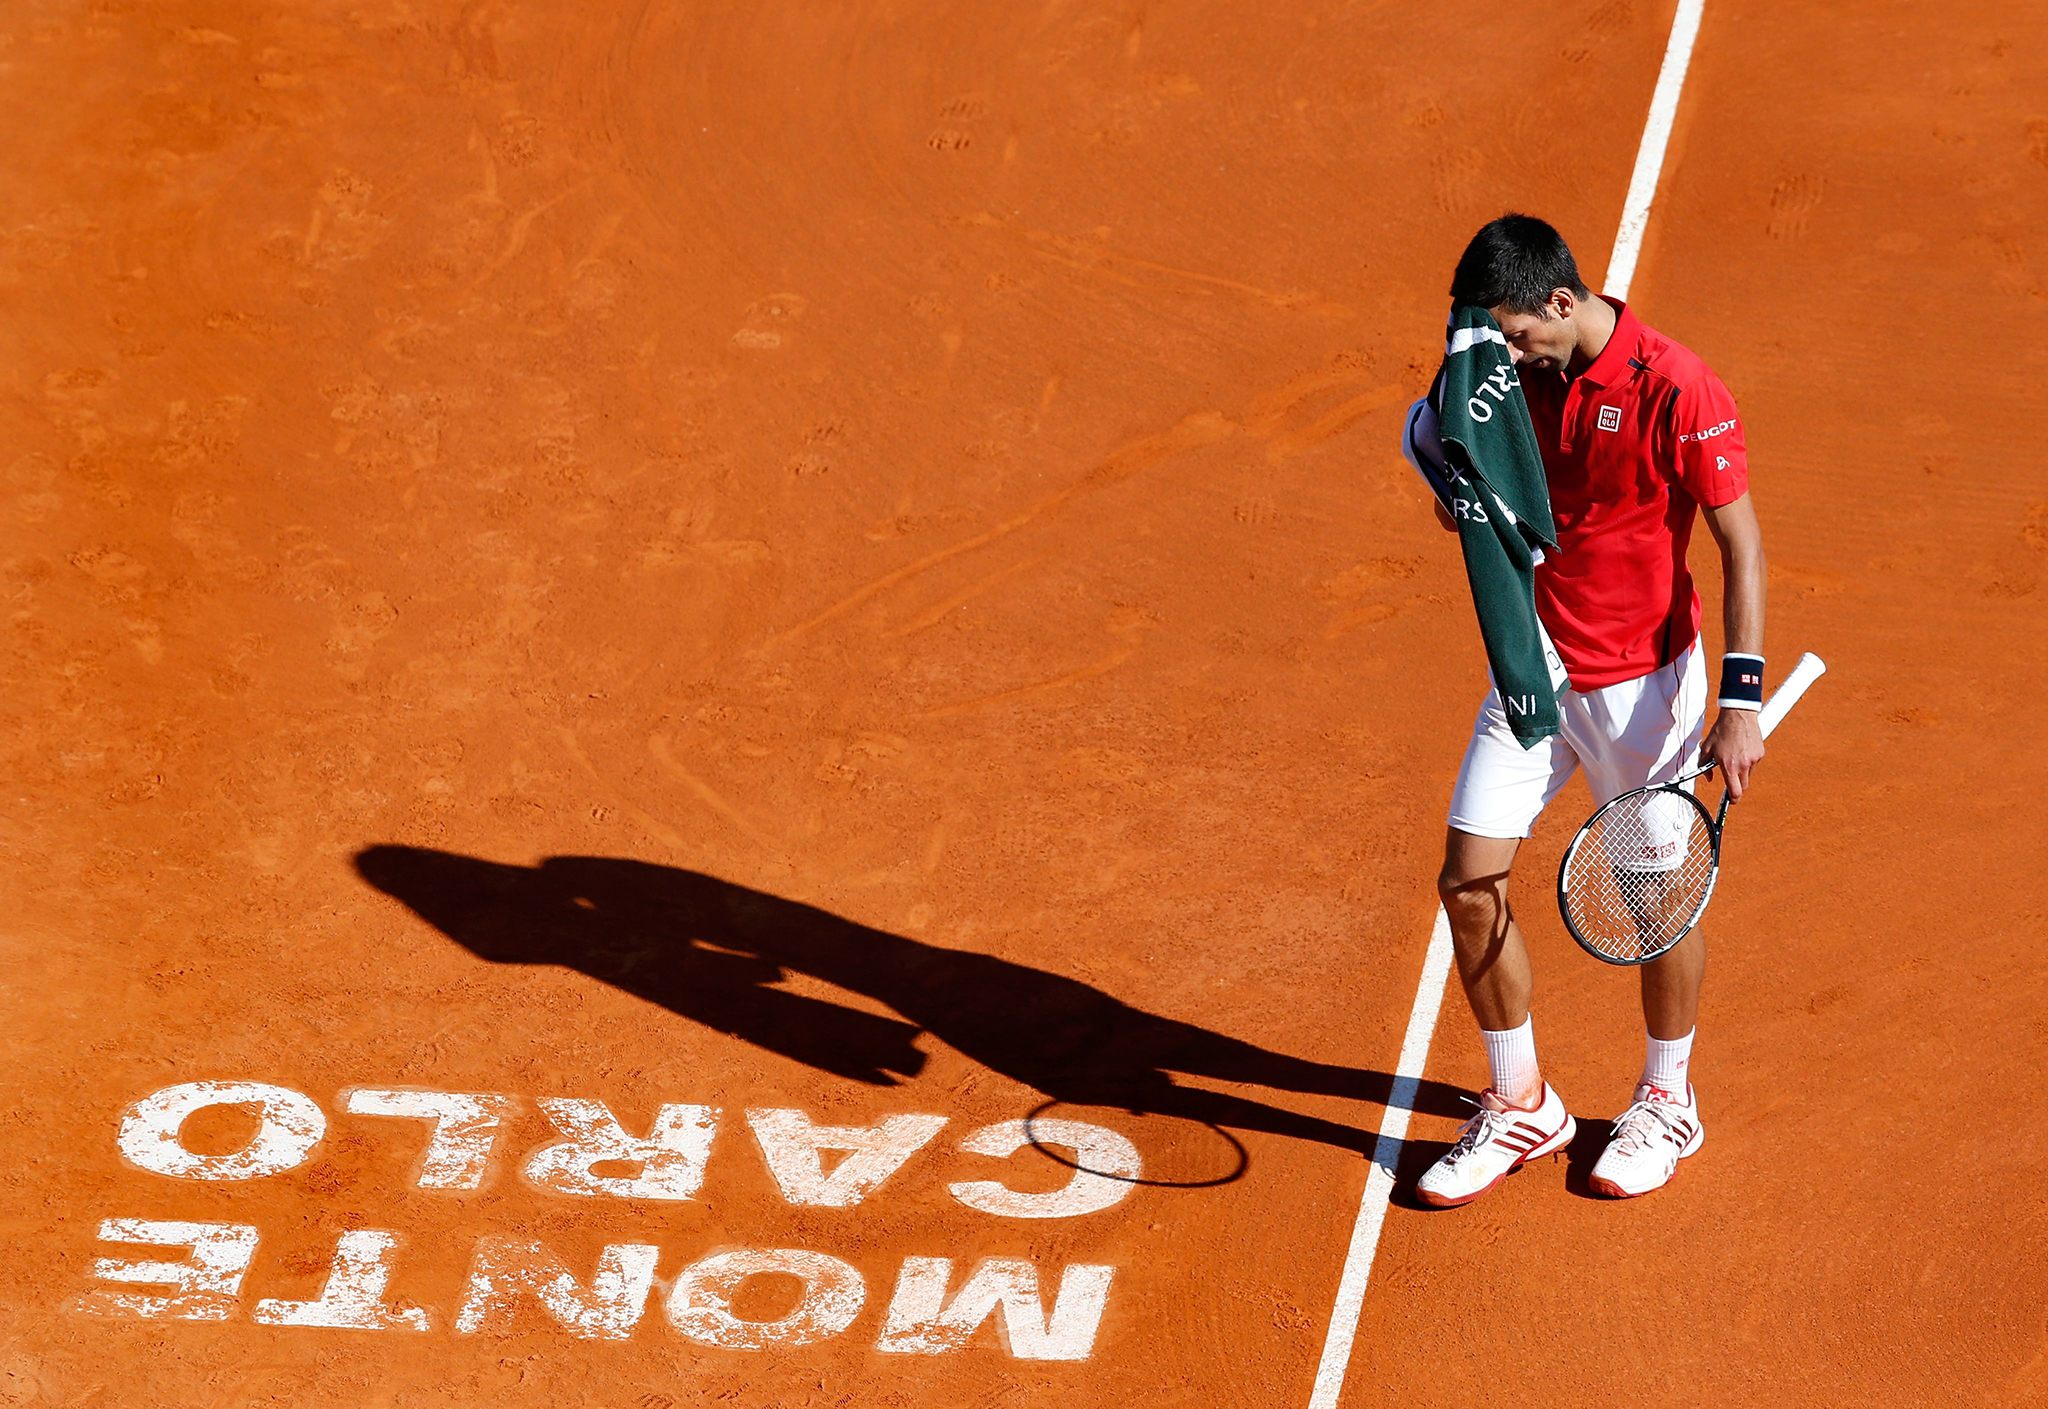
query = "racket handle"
x=1810 y=668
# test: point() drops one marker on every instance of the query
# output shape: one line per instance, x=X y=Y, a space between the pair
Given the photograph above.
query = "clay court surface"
x=851 y=559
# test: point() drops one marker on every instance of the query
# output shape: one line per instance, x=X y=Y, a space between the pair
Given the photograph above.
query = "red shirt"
x=1630 y=446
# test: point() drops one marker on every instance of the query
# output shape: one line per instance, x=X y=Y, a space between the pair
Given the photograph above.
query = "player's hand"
x=1734 y=745
x=1443 y=516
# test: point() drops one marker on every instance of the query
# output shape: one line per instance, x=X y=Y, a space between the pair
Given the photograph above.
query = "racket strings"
x=1638 y=879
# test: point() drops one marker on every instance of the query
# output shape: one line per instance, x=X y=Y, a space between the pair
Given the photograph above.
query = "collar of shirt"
x=1614 y=358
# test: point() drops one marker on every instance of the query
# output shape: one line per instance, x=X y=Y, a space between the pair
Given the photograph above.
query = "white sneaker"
x=1650 y=1138
x=1494 y=1144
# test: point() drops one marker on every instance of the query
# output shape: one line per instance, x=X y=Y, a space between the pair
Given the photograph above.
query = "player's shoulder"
x=1670 y=361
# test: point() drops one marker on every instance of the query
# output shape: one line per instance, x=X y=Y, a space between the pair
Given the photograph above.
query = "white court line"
x=1386 y=1151
x=1642 y=185
x=1436 y=965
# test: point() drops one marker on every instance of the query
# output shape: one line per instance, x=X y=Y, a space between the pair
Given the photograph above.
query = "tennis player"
x=1635 y=432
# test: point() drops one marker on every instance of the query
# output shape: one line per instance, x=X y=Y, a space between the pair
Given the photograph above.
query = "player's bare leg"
x=1671 y=988
x=1520 y=1117
x=1493 y=962
x=1662 y=1123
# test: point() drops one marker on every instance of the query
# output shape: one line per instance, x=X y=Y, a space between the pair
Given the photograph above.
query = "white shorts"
x=1645 y=730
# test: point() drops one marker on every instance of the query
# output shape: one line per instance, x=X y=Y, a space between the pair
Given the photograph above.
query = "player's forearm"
x=1741 y=541
x=1742 y=602
x=1735 y=742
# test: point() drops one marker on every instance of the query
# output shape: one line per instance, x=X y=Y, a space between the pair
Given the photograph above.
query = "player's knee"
x=1470 y=902
x=1448 y=883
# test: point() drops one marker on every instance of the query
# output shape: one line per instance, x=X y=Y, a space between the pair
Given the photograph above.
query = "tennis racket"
x=1639 y=874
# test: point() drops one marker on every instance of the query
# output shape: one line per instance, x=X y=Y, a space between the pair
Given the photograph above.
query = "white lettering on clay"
x=291 y=1125
x=792 y=1146
x=465 y=1129
x=204 y=1284
x=670 y=1159
x=504 y=1270
x=354 y=1297
x=922 y=1322
x=700 y=1306
x=1108 y=1166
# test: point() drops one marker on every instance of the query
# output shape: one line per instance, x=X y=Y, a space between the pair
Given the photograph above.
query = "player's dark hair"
x=1514 y=263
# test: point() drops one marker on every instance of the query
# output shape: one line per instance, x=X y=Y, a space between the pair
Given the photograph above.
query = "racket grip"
x=1810 y=668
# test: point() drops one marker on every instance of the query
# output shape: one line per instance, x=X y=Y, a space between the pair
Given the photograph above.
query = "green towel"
x=1502 y=506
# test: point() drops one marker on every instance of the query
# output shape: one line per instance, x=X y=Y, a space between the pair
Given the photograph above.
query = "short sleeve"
x=1713 y=459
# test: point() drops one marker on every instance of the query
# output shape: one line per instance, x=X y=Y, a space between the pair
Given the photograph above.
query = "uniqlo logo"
x=1610 y=418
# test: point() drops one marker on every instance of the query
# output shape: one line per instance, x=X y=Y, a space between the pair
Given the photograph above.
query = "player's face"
x=1542 y=341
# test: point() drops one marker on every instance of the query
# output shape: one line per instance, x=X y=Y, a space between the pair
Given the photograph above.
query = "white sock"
x=1665 y=1063
x=1512 y=1055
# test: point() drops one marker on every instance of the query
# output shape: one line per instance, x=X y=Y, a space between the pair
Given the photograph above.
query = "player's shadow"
x=710 y=951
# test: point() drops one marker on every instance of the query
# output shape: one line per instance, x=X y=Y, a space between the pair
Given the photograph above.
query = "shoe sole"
x=1613 y=1190
x=1548 y=1147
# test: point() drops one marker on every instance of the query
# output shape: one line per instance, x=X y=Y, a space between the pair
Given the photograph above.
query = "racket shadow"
x=712 y=951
